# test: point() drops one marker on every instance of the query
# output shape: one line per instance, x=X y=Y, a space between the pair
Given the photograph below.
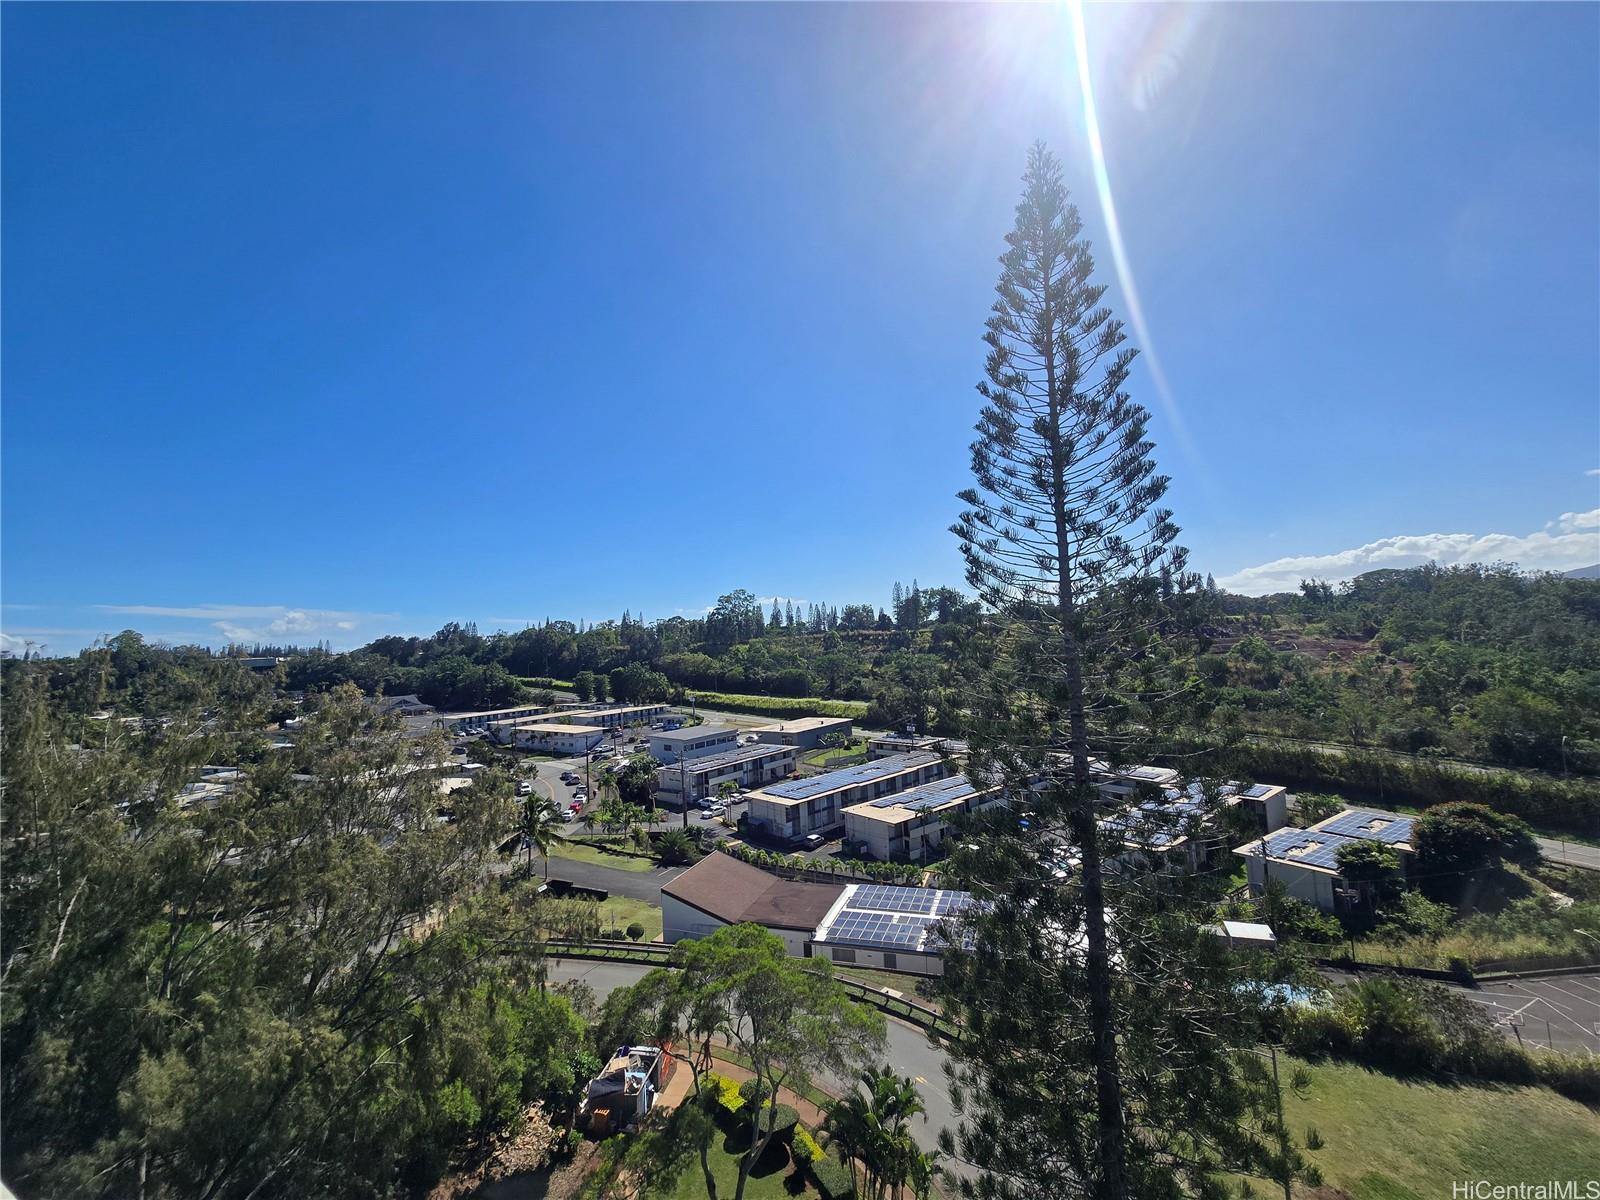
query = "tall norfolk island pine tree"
x=1106 y=1043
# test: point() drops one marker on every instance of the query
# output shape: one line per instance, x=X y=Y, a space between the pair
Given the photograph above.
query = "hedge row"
x=1539 y=799
x=781 y=706
x=542 y=684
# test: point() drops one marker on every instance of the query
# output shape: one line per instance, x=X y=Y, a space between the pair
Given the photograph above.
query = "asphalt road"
x=909 y=1051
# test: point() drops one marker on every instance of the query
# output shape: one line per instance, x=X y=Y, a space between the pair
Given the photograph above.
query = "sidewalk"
x=681 y=1085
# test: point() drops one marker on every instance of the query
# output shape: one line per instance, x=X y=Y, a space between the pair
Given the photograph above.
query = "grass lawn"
x=691 y=1184
x=580 y=852
x=620 y=911
x=1392 y=1139
x=836 y=755
x=906 y=984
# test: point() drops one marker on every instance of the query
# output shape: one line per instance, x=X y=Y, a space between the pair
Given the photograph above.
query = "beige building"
x=911 y=826
x=743 y=766
x=554 y=737
x=800 y=807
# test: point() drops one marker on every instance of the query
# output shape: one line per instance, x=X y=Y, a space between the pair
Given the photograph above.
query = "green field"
x=621 y=911
x=584 y=852
x=1392 y=1139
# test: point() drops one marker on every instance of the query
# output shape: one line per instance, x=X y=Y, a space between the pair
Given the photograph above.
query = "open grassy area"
x=835 y=756
x=600 y=857
x=1392 y=1139
x=621 y=911
x=691 y=1184
x=906 y=984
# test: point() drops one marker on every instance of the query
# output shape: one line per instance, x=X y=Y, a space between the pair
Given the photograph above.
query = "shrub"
x=724 y=1092
x=832 y=1178
x=806 y=1150
x=635 y=931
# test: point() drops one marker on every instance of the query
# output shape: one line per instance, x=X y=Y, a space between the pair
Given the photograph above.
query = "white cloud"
x=1575 y=522
x=1572 y=540
x=1592 y=471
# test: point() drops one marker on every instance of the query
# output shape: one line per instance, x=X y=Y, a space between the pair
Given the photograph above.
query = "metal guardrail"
x=653 y=955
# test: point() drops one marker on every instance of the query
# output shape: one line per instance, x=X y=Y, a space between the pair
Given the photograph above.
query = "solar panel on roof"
x=1366 y=823
x=1257 y=790
x=882 y=768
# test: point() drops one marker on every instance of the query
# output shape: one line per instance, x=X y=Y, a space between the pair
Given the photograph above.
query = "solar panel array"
x=1365 y=823
x=1310 y=849
x=868 y=772
x=891 y=917
x=929 y=795
x=1257 y=790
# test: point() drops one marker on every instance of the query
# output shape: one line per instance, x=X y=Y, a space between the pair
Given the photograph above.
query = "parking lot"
x=1560 y=1012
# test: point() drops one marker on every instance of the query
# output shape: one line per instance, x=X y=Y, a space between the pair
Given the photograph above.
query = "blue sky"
x=323 y=321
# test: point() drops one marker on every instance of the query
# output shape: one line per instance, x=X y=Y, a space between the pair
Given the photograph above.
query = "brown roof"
x=721 y=886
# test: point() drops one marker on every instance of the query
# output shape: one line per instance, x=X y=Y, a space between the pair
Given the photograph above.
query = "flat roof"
x=729 y=758
x=555 y=727
x=890 y=917
x=940 y=794
x=494 y=712
x=1318 y=847
x=848 y=777
x=689 y=732
x=800 y=724
x=722 y=887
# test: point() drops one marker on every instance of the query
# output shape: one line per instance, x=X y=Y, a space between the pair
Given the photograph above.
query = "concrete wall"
x=679 y=921
x=1314 y=887
x=861 y=956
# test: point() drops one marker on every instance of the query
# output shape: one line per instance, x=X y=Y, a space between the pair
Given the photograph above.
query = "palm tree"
x=872 y=1129
x=541 y=829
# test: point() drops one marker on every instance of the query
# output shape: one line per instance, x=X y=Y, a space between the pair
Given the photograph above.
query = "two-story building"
x=911 y=826
x=799 y=807
x=691 y=780
x=669 y=745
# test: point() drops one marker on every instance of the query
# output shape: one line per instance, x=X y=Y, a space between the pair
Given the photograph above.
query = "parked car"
x=580 y=799
x=712 y=813
x=574 y=811
x=525 y=788
x=812 y=841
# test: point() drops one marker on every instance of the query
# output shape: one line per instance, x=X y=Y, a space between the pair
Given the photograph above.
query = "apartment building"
x=799 y=807
x=911 y=826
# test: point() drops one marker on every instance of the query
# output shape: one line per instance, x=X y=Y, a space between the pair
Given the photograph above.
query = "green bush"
x=1410 y=1026
x=806 y=1150
x=723 y=1091
x=635 y=931
x=832 y=1178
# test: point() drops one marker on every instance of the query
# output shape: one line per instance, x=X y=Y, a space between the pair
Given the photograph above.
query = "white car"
x=525 y=788
x=580 y=798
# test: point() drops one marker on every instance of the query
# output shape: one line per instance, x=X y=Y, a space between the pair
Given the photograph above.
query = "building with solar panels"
x=694 y=779
x=1306 y=861
x=1183 y=827
x=865 y=924
x=798 y=807
x=911 y=826
x=895 y=928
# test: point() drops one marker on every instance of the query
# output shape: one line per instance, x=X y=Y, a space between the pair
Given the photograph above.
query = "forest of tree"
x=1478 y=662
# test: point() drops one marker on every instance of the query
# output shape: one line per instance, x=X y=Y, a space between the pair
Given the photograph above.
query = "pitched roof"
x=721 y=886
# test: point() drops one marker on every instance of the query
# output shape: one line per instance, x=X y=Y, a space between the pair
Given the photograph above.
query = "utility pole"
x=1283 y=1130
x=683 y=784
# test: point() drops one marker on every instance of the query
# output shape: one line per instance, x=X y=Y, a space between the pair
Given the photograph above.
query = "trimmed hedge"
x=780 y=706
x=545 y=684
x=832 y=1178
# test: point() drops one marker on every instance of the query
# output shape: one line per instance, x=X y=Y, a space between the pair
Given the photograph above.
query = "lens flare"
x=1119 y=253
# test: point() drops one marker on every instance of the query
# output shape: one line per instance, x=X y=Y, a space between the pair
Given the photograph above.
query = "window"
x=843 y=954
x=888 y=961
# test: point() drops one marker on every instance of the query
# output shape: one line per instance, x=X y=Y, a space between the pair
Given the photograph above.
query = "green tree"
x=541 y=826
x=1372 y=867
x=1065 y=538
x=1459 y=844
x=788 y=1018
x=238 y=988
